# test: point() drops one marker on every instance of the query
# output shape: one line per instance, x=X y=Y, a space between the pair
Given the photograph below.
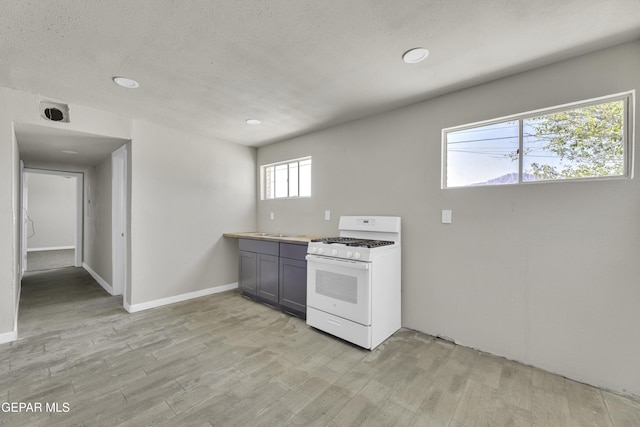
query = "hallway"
x=63 y=302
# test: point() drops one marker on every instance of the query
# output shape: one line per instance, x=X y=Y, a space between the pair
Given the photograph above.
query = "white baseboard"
x=132 y=308
x=107 y=287
x=8 y=337
x=13 y=335
x=52 y=248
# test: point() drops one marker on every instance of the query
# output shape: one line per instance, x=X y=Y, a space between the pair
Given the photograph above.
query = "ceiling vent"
x=54 y=112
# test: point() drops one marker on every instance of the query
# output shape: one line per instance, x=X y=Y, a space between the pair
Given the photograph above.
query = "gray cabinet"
x=274 y=273
x=293 y=278
x=268 y=278
x=248 y=272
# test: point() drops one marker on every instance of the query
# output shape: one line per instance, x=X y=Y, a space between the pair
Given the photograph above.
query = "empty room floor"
x=224 y=360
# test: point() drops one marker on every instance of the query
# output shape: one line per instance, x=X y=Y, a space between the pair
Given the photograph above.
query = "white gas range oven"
x=353 y=281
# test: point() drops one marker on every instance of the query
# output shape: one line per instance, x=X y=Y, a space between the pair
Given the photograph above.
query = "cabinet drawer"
x=339 y=327
x=293 y=251
x=259 y=246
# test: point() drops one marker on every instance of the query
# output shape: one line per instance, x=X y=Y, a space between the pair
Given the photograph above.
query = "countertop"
x=273 y=237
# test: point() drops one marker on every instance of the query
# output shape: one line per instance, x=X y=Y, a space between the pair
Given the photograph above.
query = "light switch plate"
x=272 y=215
x=446 y=216
x=327 y=215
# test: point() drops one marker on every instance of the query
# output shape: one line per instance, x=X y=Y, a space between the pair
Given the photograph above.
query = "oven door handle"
x=359 y=265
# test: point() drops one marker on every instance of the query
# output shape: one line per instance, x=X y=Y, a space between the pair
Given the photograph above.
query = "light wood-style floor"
x=226 y=361
x=47 y=260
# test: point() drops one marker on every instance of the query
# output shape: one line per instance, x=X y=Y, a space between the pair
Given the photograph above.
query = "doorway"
x=52 y=219
x=52 y=222
x=99 y=166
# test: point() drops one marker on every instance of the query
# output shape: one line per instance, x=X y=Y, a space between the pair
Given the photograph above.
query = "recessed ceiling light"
x=69 y=152
x=125 y=82
x=415 y=55
x=253 y=122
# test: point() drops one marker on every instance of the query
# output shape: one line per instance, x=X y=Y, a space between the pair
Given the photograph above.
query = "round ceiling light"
x=125 y=82
x=415 y=55
x=253 y=122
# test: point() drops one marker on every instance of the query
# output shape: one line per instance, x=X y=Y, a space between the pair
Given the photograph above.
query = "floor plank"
x=225 y=360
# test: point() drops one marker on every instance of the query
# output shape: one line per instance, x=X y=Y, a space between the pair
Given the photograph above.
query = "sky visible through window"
x=287 y=179
x=583 y=142
x=479 y=155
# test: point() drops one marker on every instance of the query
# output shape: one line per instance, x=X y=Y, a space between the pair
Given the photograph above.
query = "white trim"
x=79 y=176
x=79 y=219
x=628 y=129
x=107 y=287
x=13 y=335
x=263 y=168
x=119 y=209
x=9 y=337
x=23 y=217
x=132 y=308
x=52 y=248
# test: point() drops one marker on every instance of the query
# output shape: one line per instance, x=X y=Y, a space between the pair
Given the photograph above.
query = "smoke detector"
x=54 y=111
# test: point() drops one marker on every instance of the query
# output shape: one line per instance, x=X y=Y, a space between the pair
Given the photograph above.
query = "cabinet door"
x=248 y=272
x=268 y=277
x=293 y=284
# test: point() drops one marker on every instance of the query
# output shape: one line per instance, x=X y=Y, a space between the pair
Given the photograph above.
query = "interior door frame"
x=24 y=208
x=79 y=209
x=119 y=221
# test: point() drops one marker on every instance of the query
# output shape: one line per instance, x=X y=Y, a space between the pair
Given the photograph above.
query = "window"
x=286 y=179
x=580 y=141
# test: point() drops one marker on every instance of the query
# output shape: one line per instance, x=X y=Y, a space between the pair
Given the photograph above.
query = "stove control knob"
x=334 y=252
x=320 y=250
x=357 y=255
x=349 y=254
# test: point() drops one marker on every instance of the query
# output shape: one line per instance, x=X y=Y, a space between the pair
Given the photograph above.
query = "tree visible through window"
x=587 y=141
x=580 y=143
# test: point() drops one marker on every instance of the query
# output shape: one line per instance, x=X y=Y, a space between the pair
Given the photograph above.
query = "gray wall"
x=97 y=220
x=546 y=274
x=186 y=192
x=18 y=106
x=52 y=209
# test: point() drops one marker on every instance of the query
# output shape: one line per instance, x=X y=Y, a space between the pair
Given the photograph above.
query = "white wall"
x=18 y=106
x=546 y=274
x=9 y=226
x=186 y=192
x=97 y=220
x=52 y=210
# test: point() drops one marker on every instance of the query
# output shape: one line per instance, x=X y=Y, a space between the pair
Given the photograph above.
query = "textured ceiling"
x=297 y=65
x=48 y=148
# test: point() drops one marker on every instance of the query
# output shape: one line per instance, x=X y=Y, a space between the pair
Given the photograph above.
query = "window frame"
x=263 y=181
x=628 y=138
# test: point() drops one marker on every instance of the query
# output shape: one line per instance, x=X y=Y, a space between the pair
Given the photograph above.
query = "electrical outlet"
x=272 y=215
x=327 y=215
x=446 y=216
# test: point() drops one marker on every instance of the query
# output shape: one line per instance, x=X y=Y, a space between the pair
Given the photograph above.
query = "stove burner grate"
x=371 y=243
x=354 y=242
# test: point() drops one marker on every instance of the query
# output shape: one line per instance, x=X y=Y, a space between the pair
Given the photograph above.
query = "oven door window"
x=341 y=288
x=337 y=286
